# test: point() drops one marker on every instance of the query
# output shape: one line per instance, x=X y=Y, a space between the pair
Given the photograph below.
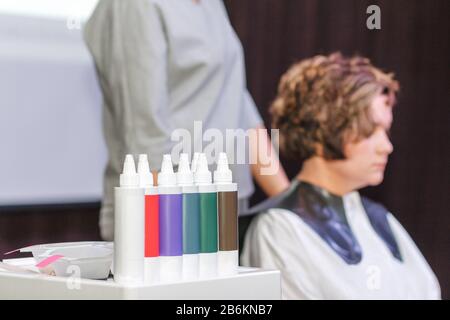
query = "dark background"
x=413 y=42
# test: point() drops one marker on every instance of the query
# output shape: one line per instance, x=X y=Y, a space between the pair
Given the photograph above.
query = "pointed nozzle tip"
x=143 y=157
x=143 y=162
x=129 y=177
x=166 y=164
x=128 y=165
x=166 y=177
x=194 y=161
x=202 y=162
x=184 y=174
x=145 y=176
x=184 y=157
x=183 y=165
x=223 y=173
x=223 y=159
x=202 y=174
x=129 y=158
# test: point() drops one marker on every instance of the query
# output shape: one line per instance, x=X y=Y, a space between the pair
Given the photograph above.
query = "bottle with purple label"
x=170 y=223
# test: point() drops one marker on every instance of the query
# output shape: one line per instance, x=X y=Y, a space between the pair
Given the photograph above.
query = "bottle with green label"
x=208 y=219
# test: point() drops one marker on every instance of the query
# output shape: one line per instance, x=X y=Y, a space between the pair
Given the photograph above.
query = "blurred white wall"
x=49 y=8
x=51 y=143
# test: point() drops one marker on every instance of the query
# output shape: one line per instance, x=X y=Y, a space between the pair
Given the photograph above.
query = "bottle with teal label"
x=191 y=219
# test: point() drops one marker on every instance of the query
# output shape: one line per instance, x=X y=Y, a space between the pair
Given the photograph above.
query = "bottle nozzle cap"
x=129 y=177
x=202 y=174
x=166 y=177
x=223 y=173
x=184 y=174
x=194 y=162
x=145 y=176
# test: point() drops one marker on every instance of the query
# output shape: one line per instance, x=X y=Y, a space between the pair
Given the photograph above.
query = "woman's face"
x=366 y=159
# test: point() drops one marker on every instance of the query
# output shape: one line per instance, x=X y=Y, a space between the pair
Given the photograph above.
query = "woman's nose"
x=385 y=146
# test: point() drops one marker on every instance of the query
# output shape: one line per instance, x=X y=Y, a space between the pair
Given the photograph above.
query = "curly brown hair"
x=324 y=101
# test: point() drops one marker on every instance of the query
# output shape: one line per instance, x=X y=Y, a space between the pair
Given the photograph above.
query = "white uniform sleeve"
x=127 y=41
x=413 y=257
x=272 y=243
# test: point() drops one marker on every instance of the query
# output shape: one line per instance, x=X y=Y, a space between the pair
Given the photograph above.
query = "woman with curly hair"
x=334 y=114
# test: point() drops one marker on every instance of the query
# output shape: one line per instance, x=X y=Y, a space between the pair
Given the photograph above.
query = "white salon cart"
x=249 y=283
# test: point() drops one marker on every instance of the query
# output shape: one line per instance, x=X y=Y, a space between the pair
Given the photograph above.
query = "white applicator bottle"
x=194 y=162
x=151 y=241
x=208 y=220
x=129 y=227
x=227 y=209
x=191 y=219
x=170 y=223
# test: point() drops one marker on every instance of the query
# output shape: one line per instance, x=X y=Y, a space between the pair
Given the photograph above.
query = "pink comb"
x=48 y=261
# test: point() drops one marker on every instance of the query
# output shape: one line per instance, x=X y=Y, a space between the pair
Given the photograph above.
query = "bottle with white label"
x=129 y=227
